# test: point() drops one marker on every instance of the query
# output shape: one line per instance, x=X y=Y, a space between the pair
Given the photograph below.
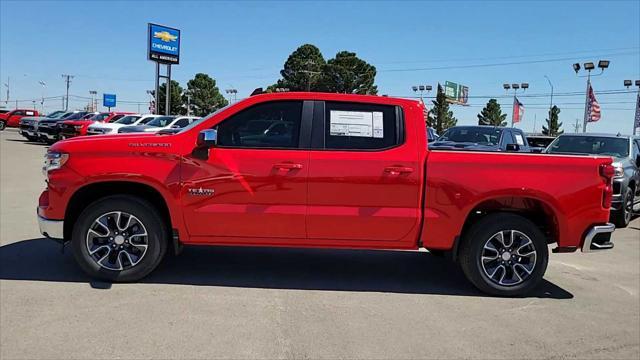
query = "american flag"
x=518 y=111
x=593 y=107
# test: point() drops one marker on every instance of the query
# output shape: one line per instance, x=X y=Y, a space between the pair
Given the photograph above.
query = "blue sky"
x=244 y=44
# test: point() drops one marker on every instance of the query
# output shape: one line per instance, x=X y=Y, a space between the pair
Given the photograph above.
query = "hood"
x=138 y=128
x=31 y=119
x=110 y=144
x=452 y=145
x=76 y=122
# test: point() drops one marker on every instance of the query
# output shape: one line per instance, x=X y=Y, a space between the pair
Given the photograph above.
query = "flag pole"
x=586 y=104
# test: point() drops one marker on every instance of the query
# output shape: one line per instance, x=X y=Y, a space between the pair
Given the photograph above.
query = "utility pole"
x=188 y=93
x=7 y=84
x=68 y=81
x=576 y=126
x=636 y=118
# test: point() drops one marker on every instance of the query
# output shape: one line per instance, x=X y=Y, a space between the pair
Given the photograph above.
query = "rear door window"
x=357 y=126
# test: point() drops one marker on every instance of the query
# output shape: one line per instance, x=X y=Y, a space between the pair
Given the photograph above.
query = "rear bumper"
x=52 y=229
x=598 y=238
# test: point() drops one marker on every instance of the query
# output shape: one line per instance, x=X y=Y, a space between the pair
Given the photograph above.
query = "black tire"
x=473 y=246
x=3 y=125
x=156 y=240
x=621 y=218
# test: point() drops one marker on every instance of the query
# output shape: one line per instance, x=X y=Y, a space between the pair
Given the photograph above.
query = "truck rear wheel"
x=119 y=238
x=3 y=124
x=504 y=254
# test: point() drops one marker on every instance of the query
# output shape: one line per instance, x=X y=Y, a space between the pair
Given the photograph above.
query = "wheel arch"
x=94 y=191
x=536 y=210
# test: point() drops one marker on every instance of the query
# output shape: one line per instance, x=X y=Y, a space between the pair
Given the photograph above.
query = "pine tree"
x=492 y=114
x=553 y=126
x=440 y=115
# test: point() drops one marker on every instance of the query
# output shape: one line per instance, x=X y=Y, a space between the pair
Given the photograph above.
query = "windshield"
x=590 y=145
x=74 y=115
x=56 y=114
x=161 y=121
x=127 y=120
x=477 y=135
x=99 y=117
x=196 y=122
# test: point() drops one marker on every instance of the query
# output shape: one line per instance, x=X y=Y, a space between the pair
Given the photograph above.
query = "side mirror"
x=513 y=147
x=206 y=139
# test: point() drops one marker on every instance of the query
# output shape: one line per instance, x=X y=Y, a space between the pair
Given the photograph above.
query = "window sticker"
x=356 y=123
x=519 y=140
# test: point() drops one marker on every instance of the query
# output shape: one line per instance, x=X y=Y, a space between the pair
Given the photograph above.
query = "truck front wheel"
x=119 y=238
x=504 y=254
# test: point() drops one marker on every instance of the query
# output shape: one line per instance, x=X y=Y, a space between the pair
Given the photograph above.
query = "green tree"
x=492 y=114
x=303 y=70
x=440 y=117
x=553 y=126
x=348 y=74
x=176 y=105
x=205 y=95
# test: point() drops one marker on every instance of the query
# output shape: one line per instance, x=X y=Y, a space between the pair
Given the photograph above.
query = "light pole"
x=636 y=118
x=232 y=92
x=188 y=94
x=422 y=89
x=515 y=87
x=588 y=66
x=44 y=87
x=550 y=101
x=93 y=94
x=152 y=102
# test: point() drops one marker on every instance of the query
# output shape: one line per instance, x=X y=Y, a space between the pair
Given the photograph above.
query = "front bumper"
x=598 y=238
x=52 y=229
x=44 y=135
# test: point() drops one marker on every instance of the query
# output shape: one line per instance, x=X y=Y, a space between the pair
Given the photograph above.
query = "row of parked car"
x=63 y=125
x=624 y=149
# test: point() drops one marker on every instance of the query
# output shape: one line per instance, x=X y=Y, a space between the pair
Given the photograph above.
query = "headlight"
x=54 y=161
x=619 y=171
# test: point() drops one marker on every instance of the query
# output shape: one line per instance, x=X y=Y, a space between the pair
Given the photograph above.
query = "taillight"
x=607 y=171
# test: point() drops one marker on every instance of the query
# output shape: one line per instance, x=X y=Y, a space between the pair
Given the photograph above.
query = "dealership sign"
x=455 y=93
x=109 y=100
x=163 y=44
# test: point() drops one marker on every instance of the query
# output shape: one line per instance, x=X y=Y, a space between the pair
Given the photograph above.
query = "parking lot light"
x=576 y=67
x=506 y=86
x=603 y=64
x=589 y=66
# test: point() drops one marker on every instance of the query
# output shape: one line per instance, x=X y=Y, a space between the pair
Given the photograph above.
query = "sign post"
x=163 y=47
x=109 y=101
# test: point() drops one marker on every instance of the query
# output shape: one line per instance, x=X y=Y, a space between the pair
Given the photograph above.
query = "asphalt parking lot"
x=293 y=303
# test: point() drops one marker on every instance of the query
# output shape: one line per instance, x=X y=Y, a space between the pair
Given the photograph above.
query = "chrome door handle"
x=397 y=170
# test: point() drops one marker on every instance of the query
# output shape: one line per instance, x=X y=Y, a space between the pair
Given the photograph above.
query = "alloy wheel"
x=508 y=258
x=117 y=240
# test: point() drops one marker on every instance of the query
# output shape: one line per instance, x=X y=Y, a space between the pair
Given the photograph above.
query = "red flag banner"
x=518 y=111
x=593 y=107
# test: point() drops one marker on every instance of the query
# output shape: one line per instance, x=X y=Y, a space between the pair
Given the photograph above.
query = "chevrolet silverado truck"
x=321 y=171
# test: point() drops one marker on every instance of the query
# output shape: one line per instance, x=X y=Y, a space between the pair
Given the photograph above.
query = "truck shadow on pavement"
x=407 y=272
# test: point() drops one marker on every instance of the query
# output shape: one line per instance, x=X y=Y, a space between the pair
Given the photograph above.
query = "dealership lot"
x=295 y=303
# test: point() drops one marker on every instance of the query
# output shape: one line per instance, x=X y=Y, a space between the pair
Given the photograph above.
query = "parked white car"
x=160 y=123
x=112 y=128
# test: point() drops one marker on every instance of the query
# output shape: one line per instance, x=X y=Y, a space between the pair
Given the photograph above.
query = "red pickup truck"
x=324 y=171
x=12 y=118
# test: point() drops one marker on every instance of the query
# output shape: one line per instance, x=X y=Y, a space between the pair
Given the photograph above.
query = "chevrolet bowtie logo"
x=201 y=192
x=164 y=36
